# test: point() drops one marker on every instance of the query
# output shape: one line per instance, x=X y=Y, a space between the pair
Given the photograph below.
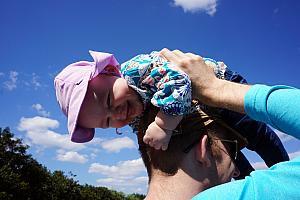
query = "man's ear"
x=202 y=152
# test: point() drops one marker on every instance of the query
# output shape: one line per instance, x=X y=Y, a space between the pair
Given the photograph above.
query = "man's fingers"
x=194 y=56
x=179 y=54
x=176 y=57
x=169 y=55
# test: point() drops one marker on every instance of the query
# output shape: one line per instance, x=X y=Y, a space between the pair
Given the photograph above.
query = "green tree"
x=22 y=177
x=135 y=197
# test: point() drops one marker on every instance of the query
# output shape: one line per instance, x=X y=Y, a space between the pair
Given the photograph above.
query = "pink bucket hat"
x=71 y=86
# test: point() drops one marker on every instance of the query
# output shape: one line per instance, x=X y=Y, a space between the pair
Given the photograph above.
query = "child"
x=159 y=83
x=105 y=98
x=100 y=95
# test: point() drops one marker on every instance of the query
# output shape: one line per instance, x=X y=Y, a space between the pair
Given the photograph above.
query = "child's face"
x=109 y=102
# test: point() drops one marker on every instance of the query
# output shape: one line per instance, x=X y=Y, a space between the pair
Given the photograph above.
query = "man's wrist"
x=212 y=95
x=228 y=95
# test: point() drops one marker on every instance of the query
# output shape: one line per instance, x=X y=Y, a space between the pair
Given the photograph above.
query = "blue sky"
x=259 y=39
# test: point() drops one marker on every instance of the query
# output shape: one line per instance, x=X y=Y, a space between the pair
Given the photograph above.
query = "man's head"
x=203 y=142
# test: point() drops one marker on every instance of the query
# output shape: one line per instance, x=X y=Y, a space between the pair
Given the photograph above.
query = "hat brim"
x=79 y=134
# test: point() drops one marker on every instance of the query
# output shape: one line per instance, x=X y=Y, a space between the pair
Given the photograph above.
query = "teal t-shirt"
x=278 y=106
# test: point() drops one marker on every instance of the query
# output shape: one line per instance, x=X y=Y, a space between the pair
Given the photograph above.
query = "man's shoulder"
x=278 y=182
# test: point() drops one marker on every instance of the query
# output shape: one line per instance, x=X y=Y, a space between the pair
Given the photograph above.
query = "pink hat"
x=71 y=85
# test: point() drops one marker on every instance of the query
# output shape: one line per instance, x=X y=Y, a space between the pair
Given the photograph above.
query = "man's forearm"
x=226 y=94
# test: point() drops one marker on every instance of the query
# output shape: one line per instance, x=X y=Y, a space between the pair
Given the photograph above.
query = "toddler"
x=102 y=94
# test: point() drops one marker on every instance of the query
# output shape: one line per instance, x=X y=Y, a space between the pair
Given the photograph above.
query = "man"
x=278 y=106
x=201 y=154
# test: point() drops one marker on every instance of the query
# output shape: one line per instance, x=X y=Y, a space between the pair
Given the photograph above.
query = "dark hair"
x=192 y=127
x=169 y=161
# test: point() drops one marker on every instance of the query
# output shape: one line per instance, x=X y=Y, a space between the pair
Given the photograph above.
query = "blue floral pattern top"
x=158 y=83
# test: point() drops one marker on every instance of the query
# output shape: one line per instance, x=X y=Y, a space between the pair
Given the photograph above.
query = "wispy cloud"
x=127 y=176
x=131 y=185
x=35 y=81
x=123 y=169
x=12 y=82
x=38 y=133
x=294 y=154
x=115 y=145
x=259 y=165
x=276 y=10
x=71 y=156
x=40 y=110
x=207 y=6
x=262 y=165
x=18 y=79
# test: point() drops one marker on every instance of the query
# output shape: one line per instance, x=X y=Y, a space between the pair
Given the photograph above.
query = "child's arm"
x=167 y=122
x=160 y=131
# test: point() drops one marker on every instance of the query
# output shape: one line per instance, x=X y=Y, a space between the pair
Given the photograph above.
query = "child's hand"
x=157 y=137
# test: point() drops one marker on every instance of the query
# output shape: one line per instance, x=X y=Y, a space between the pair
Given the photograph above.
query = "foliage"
x=22 y=177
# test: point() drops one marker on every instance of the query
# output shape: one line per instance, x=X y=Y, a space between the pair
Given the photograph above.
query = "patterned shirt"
x=158 y=82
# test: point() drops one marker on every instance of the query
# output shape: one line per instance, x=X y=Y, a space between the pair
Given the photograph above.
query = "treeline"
x=22 y=177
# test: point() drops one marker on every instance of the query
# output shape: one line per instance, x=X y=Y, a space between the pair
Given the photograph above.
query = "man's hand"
x=157 y=137
x=206 y=86
x=201 y=75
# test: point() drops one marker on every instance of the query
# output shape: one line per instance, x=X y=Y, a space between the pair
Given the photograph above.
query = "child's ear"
x=202 y=152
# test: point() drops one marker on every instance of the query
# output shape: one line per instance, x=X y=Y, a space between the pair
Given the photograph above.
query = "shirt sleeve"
x=278 y=106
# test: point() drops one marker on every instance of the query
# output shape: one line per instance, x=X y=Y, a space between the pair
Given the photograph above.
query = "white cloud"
x=115 y=145
x=123 y=170
x=93 y=155
x=208 y=6
x=71 y=156
x=40 y=110
x=123 y=182
x=127 y=176
x=132 y=185
x=259 y=165
x=96 y=141
x=37 y=123
x=2 y=74
x=12 y=82
x=34 y=81
x=38 y=133
x=294 y=154
x=262 y=165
